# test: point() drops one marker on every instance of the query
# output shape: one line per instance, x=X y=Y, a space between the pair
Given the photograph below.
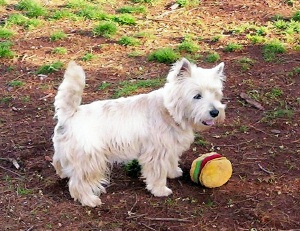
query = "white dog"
x=154 y=128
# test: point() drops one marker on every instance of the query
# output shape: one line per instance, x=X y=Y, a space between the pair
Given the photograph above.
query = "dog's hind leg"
x=87 y=180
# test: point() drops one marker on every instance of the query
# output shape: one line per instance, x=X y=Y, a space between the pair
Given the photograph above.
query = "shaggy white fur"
x=154 y=128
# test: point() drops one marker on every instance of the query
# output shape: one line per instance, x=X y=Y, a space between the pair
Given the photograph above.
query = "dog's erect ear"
x=182 y=68
x=219 y=71
x=185 y=67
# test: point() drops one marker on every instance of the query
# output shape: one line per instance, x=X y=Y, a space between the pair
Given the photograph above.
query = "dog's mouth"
x=208 y=122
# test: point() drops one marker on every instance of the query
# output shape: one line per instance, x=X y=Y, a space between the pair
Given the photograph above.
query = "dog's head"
x=192 y=95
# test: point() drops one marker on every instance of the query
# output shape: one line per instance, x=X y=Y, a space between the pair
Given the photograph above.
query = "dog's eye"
x=198 y=96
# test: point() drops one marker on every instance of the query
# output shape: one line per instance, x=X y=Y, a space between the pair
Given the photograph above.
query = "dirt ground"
x=262 y=144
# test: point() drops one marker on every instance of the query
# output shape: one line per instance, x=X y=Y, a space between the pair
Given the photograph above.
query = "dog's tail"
x=69 y=93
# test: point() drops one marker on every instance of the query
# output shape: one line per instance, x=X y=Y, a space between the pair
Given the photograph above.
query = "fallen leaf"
x=251 y=101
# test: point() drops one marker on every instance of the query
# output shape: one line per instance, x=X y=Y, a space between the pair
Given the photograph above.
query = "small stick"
x=265 y=170
x=166 y=219
x=6 y=169
x=147 y=226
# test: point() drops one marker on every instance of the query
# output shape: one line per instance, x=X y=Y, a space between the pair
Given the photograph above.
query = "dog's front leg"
x=155 y=174
x=174 y=170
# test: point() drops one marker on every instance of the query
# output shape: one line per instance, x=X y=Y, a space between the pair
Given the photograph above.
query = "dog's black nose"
x=214 y=113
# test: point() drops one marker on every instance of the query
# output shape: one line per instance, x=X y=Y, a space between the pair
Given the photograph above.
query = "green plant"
x=92 y=13
x=77 y=4
x=274 y=93
x=188 y=46
x=131 y=9
x=124 y=19
x=256 y=39
x=105 y=29
x=212 y=57
x=104 y=85
x=6 y=99
x=233 y=47
x=271 y=49
x=164 y=55
x=5 y=33
x=15 y=83
x=184 y=3
x=23 y=191
x=60 y=50
x=133 y=168
x=57 y=35
x=50 y=68
x=21 y=20
x=63 y=13
x=127 y=88
x=88 y=56
x=3 y=2
x=296 y=16
x=297 y=70
x=245 y=63
x=200 y=141
x=5 y=50
x=216 y=38
x=128 y=41
x=32 y=8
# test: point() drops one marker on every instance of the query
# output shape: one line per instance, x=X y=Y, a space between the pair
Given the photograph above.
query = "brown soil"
x=264 y=190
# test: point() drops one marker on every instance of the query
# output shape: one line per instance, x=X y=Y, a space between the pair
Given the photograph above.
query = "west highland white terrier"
x=154 y=128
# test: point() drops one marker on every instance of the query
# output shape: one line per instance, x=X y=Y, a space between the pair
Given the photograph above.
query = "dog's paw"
x=161 y=191
x=92 y=201
x=175 y=173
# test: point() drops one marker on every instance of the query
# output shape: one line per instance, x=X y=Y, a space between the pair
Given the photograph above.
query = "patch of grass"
x=105 y=29
x=6 y=99
x=279 y=113
x=297 y=70
x=3 y=3
x=200 y=141
x=232 y=47
x=274 y=93
x=21 y=20
x=296 y=16
x=50 y=68
x=88 y=56
x=216 y=38
x=245 y=63
x=142 y=1
x=23 y=191
x=124 y=19
x=128 y=41
x=185 y=3
x=127 y=88
x=164 y=55
x=77 y=4
x=244 y=128
x=60 y=50
x=5 y=33
x=212 y=57
x=256 y=39
x=271 y=49
x=5 y=50
x=188 y=46
x=104 y=85
x=131 y=9
x=133 y=168
x=93 y=13
x=32 y=8
x=57 y=35
x=63 y=14
x=15 y=83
